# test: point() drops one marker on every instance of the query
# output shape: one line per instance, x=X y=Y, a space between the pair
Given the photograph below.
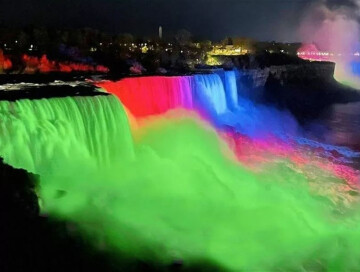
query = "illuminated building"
x=311 y=52
x=228 y=50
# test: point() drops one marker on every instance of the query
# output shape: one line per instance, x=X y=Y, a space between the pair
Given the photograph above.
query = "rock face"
x=288 y=74
x=17 y=190
x=304 y=73
x=254 y=78
x=305 y=89
x=29 y=242
x=19 y=211
x=254 y=82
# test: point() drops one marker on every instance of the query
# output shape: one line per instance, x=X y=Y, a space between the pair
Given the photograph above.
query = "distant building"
x=311 y=52
x=228 y=50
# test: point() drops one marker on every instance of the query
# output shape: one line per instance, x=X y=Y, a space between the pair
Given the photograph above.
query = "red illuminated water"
x=145 y=96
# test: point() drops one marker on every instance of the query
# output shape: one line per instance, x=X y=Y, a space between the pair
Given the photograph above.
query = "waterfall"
x=231 y=89
x=40 y=134
x=209 y=93
x=214 y=96
x=146 y=96
x=171 y=194
x=230 y=86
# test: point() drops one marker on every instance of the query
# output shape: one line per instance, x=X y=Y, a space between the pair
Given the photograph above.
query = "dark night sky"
x=213 y=19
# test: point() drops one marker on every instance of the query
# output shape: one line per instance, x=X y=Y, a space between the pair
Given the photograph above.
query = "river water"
x=342 y=125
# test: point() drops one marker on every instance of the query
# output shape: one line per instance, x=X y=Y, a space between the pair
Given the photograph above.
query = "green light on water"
x=171 y=194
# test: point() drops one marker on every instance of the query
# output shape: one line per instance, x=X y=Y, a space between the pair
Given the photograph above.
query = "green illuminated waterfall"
x=42 y=135
x=173 y=193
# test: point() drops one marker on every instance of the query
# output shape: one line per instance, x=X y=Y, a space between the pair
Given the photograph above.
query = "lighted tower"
x=160 y=32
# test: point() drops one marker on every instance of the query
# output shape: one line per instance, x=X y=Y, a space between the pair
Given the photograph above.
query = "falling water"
x=209 y=93
x=145 y=96
x=230 y=86
x=42 y=134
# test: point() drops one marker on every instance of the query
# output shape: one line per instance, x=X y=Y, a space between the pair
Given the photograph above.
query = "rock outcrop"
x=19 y=211
x=31 y=242
x=304 y=73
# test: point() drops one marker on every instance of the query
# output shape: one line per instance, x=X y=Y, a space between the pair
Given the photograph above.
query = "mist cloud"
x=333 y=26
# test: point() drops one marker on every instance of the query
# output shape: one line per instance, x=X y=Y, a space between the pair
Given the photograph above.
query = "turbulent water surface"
x=184 y=168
